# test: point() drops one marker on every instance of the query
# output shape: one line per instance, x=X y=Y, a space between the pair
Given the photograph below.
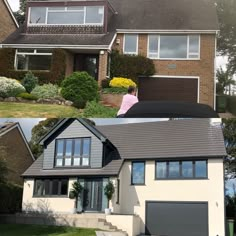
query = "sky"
x=14 y=4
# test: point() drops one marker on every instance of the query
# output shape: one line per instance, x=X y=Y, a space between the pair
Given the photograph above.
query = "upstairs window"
x=138 y=173
x=73 y=152
x=181 y=169
x=73 y=15
x=174 y=47
x=131 y=44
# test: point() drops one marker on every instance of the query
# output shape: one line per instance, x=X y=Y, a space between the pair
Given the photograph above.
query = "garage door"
x=177 y=219
x=171 y=89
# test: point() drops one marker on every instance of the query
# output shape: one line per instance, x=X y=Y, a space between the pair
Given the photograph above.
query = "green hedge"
x=11 y=198
x=231 y=104
x=56 y=74
x=130 y=66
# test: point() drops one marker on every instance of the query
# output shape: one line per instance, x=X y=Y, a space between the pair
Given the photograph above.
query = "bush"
x=231 y=104
x=79 y=88
x=119 y=82
x=29 y=82
x=130 y=66
x=114 y=90
x=45 y=91
x=11 y=198
x=94 y=109
x=10 y=87
x=27 y=96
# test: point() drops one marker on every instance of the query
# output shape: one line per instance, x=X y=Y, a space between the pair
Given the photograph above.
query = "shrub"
x=27 y=96
x=11 y=198
x=94 y=109
x=231 y=104
x=130 y=66
x=10 y=87
x=79 y=88
x=114 y=90
x=29 y=82
x=119 y=82
x=45 y=91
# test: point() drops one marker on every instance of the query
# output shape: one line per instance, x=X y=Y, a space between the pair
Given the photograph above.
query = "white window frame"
x=177 y=59
x=137 y=41
x=65 y=10
x=35 y=53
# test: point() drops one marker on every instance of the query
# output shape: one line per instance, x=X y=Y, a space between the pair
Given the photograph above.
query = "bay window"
x=72 y=152
x=174 y=47
x=72 y=15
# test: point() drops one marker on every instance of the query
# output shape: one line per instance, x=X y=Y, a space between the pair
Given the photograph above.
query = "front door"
x=88 y=63
x=92 y=199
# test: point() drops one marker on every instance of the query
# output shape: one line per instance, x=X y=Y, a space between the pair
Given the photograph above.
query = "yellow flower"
x=119 y=82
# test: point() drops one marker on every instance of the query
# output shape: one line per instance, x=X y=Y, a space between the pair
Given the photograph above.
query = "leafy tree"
x=225 y=79
x=229 y=131
x=75 y=192
x=20 y=14
x=109 y=191
x=227 y=37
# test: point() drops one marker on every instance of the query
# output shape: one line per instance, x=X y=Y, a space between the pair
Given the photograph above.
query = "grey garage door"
x=177 y=218
x=170 y=89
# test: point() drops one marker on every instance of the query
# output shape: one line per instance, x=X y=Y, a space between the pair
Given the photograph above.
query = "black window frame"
x=118 y=192
x=134 y=162
x=72 y=157
x=59 y=190
x=180 y=177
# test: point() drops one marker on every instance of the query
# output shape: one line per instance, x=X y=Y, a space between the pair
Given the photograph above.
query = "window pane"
x=76 y=161
x=56 y=8
x=138 y=173
x=77 y=147
x=85 y=161
x=86 y=147
x=59 y=162
x=37 y=15
x=55 y=185
x=201 y=169
x=130 y=43
x=193 y=56
x=68 y=148
x=67 y=161
x=173 y=46
x=153 y=46
x=47 y=187
x=94 y=14
x=65 y=17
x=194 y=44
x=38 y=62
x=75 y=8
x=64 y=187
x=39 y=186
x=161 y=169
x=60 y=144
x=187 y=169
x=25 y=50
x=21 y=62
x=174 y=169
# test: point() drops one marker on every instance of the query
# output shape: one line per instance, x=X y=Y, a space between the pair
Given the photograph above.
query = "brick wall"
x=18 y=157
x=7 y=24
x=102 y=70
x=204 y=68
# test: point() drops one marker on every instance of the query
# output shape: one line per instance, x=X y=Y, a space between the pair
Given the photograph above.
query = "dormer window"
x=73 y=152
x=73 y=15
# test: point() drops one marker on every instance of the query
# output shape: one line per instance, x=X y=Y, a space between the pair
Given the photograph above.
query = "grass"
x=21 y=110
x=42 y=230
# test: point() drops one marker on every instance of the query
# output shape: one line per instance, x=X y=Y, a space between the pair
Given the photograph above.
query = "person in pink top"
x=128 y=101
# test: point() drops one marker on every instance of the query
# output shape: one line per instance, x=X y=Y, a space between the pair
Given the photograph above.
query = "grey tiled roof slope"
x=36 y=169
x=136 y=15
x=166 y=139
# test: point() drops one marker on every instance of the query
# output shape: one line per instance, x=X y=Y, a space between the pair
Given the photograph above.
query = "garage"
x=177 y=218
x=168 y=89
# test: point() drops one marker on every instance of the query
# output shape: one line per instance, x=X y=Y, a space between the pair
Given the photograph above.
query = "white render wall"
x=45 y=204
x=132 y=198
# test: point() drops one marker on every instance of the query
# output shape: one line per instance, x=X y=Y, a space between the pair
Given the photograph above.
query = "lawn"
x=42 y=230
x=20 y=110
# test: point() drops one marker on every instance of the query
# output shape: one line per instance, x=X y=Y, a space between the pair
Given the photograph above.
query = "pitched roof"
x=162 y=15
x=167 y=139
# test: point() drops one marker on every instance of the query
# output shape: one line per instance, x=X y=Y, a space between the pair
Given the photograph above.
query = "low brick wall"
x=112 y=99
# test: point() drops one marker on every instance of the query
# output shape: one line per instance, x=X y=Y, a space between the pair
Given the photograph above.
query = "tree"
x=75 y=192
x=229 y=131
x=225 y=79
x=38 y=132
x=109 y=191
x=227 y=37
x=20 y=14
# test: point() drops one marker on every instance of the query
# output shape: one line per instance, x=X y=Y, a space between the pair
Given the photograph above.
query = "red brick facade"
x=203 y=68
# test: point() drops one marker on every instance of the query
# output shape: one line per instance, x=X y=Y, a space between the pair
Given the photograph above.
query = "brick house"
x=18 y=155
x=179 y=36
x=8 y=23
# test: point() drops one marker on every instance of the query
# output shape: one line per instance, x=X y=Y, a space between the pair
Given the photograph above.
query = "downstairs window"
x=33 y=59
